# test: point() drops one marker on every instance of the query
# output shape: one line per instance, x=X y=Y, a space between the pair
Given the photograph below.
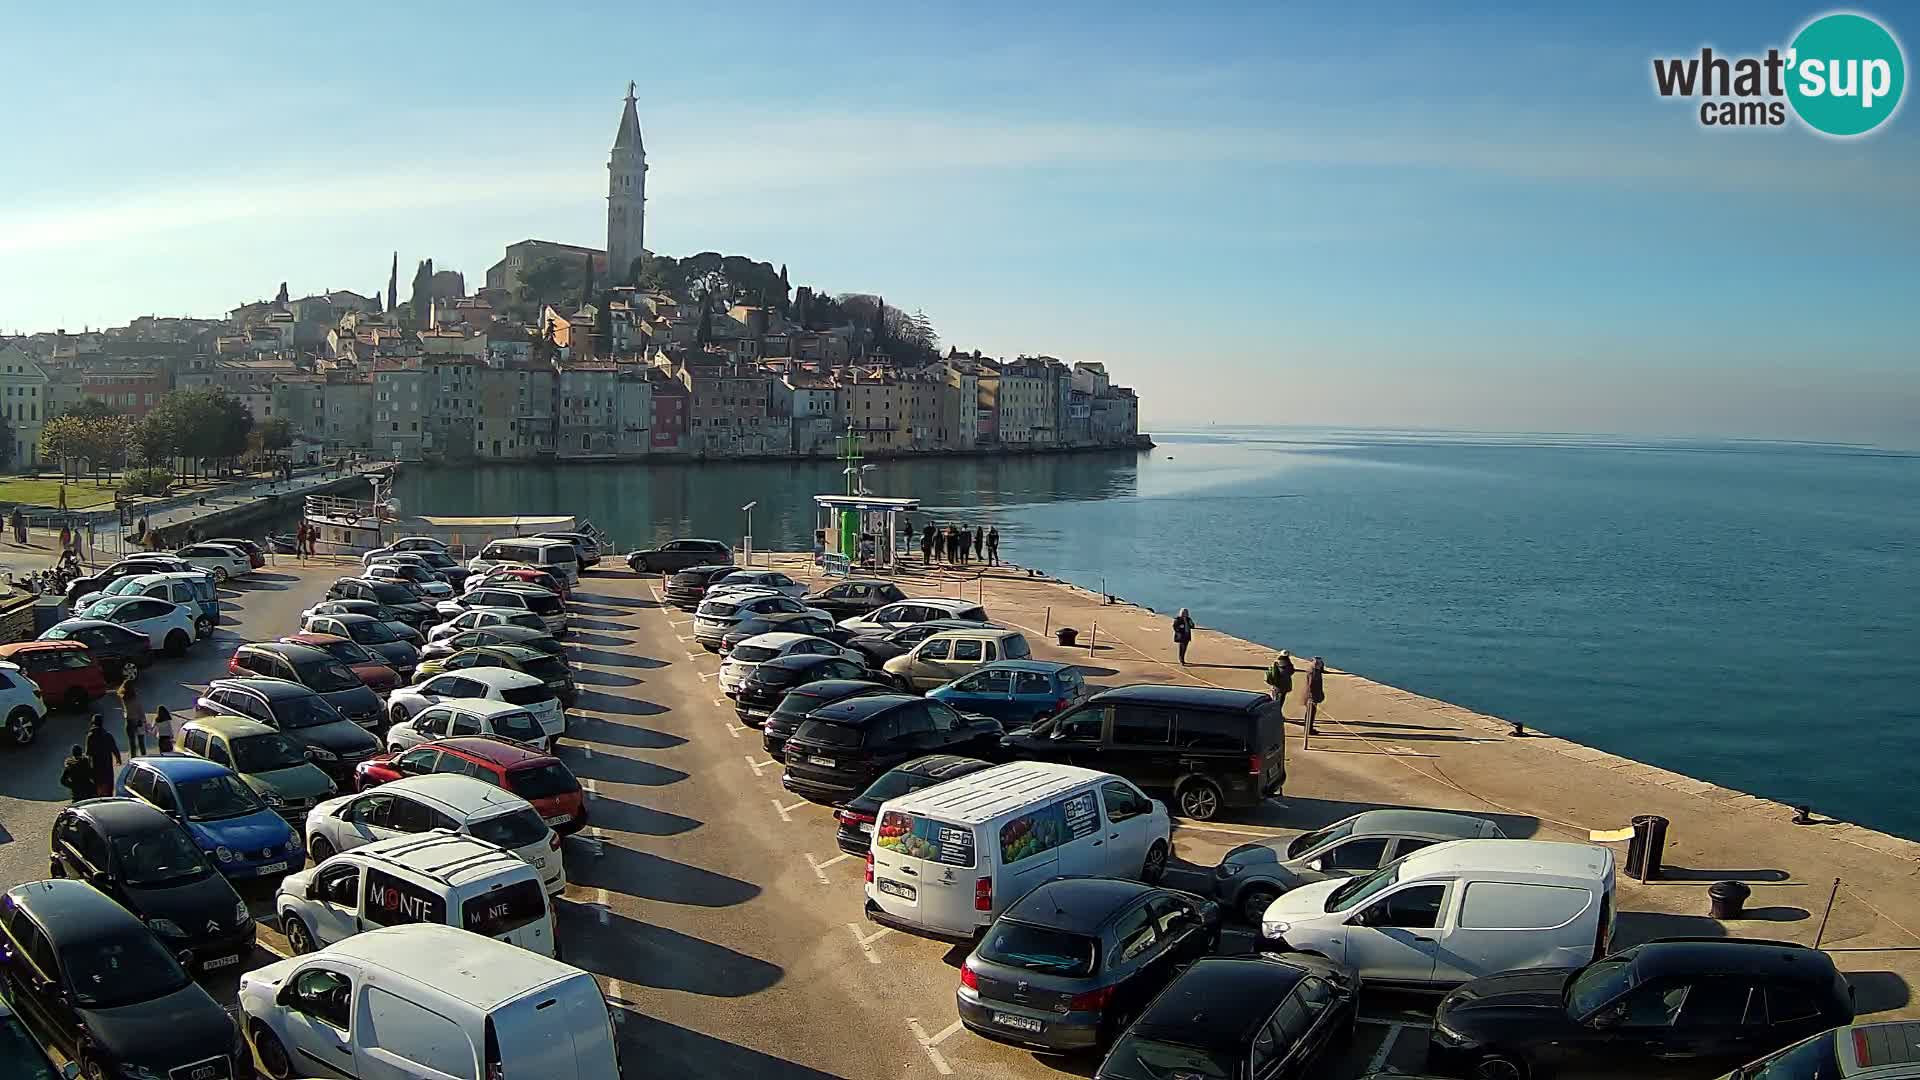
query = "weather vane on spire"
x=630 y=89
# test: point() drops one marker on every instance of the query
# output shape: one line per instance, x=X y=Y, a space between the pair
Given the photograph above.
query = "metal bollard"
x=1729 y=899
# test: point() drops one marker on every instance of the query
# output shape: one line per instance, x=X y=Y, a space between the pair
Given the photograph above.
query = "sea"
x=1744 y=612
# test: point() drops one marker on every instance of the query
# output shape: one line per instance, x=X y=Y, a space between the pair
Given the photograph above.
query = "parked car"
x=1240 y=1018
x=221 y=560
x=500 y=1010
x=679 y=555
x=330 y=740
x=920 y=609
x=792 y=622
x=21 y=704
x=882 y=647
x=839 y=749
x=684 y=588
x=369 y=667
x=854 y=596
x=1211 y=749
x=434 y=877
x=423 y=583
x=194 y=591
x=113 y=645
x=529 y=692
x=526 y=638
x=461 y=804
x=274 y=764
x=717 y=616
x=315 y=670
x=586 y=548
x=451 y=569
x=950 y=654
x=1686 y=1007
x=509 y=573
x=128 y=567
x=22 y=1054
x=798 y=703
x=420 y=544
x=467 y=716
x=397 y=598
x=97 y=983
x=1015 y=692
x=375 y=635
x=946 y=859
x=149 y=864
x=552 y=670
x=754 y=651
x=65 y=672
x=1456 y=911
x=1871 y=1051
x=773 y=581
x=242 y=835
x=169 y=627
x=402 y=631
x=540 y=778
x=475 y=618
x=1251 y=876
x=256 y=554
x=556 y=557
x=1066 y=966
x=858 y=814
x=537 y=601
x=767 y=685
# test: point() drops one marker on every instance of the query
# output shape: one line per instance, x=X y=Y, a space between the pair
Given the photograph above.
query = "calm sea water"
x=1748 y=613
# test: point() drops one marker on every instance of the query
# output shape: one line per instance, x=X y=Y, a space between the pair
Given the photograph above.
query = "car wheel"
x=22 y=725
x=1497 y=1067
x=219 y=575
x=397 y=715
x=321 y=850
x=202 y=626
x=272 y=1055
x=1155 y=867
x=1255 y=901
x=76 y=699
x=55 y=870
x=90 y=1067
x=1198 y=798
x=299 y=938
x=177 y=642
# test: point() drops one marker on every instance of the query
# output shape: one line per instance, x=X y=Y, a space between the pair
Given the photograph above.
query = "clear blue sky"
x=1411 y=214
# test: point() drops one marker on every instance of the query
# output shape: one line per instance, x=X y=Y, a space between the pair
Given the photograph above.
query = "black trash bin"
x=1066 y=634
x=1729 y=899
x=1649 y=843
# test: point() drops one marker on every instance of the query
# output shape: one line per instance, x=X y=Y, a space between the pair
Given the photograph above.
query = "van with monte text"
x=435 y=877
x=946 y=859
x=556 y=557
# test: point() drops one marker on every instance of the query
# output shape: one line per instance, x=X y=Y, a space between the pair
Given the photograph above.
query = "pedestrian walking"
x=76 y=775
x=979 y=542
x=104 y=753
x=993 y=546
x=136 y=717
x=1280 y=678
x=163 y=729
x=1316 y=689
x=926 y=543
x=1182 y=633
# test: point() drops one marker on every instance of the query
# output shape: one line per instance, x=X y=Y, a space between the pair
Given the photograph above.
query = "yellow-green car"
x=273 y=764
x=551 y=670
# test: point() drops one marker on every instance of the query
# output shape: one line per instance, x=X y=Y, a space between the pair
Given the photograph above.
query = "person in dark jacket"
x=1182 y=633
x=104 y=753
x=979 y=542
x=993 y=546
x=1280 y=679
x=1316 y=689
x=76 y=775
x=926 y=543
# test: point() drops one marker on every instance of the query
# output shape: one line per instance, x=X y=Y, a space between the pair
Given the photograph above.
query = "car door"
x=418 y=762
x=1140 y=746
x=912 y=735
x=988 y=692
x=1032 y=695
x=928 y=666
x=335 y=910
x=1129 y=814
x=1393 y=939
x=366 y=819
x=464 y=723
x=951 y=733
x=1138 y=959
x=429 y=725
x=69 y=844
x=1353 y=857
x=33 y=981
x=1077 y=739
x=316 y=1015
x=1699 y=1025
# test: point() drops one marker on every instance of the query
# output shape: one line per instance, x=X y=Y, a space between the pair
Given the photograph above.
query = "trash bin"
x=1065 y=635
x=1729 y=899
x=1649 y=843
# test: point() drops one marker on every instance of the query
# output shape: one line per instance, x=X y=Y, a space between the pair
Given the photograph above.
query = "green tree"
x=151 y=440
x=550 y=281
x=276 y=433
x=91 y=406
x=62 y=440
x=6 y=442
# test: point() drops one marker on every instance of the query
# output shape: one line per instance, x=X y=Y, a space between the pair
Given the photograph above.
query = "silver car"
x=1253 y=875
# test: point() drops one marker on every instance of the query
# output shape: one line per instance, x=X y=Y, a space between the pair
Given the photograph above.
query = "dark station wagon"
x=840 y=749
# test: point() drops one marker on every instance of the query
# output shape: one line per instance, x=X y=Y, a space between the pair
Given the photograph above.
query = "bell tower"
x=626 y=196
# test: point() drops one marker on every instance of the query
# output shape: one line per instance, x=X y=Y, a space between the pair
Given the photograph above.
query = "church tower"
x=626 y=195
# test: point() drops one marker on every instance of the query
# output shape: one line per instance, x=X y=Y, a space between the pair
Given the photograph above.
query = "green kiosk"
x=858 y=530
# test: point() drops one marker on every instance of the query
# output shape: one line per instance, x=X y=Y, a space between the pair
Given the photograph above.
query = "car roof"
x=947 y=602
x=947 y=624
x=37 y=645
x=1517 y=859
x=182 y=766
x=312 y=640
x=116 y=813
x=800 y=661
x=1730 y=956
x=270 y=688
x=443 y=855
x=485 y=707
x=512 y=632
x=232 y=727
x=855 y=581
x=998 y=633
x=940 y=765
x=1886 y=1050
x=1078 y=904
x=838 y=688
x=1045 y=667
x=991 y=792
x=1428 y=822
x=515 y=652
x=498 y=678
x=504 y=754
x=294 y=652
x=856 y=711
x=778 y=639
x=351 y=615
x=471 y=968
x=72 y=910
x=1219 y=1001
x=78 y=623
x=123 y=599
x=1203 y=697
x=462 y=794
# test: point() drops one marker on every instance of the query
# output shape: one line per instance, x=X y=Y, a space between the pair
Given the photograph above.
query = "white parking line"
x=1381 y=1055
x=866 y=942
x=920 y=1035
x=1235 y=832
x=820 y=868
x=733 y=730
x=706 y=674
x=683 y=637
x=720 y=701
x=756 y=766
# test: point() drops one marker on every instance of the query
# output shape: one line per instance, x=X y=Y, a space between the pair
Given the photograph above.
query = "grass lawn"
x=46 y=492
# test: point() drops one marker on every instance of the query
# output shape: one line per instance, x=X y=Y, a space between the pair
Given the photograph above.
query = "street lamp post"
x=746 y=542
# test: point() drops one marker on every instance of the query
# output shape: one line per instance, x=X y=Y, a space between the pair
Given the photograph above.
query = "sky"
x=1395 y=214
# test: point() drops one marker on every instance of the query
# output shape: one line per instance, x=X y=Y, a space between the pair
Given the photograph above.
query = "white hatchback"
x=530 y=692
x=760 y=648
x=223 y=561
x=467 y=716
x=478 y=618
x=169 y=627
x=21 y=706
x=759 y=581
x=416 y=804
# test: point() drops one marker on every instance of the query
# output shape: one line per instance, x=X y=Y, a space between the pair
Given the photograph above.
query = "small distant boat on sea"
x=345 y=526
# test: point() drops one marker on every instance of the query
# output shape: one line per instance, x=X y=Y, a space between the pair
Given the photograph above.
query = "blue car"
x=240 y=834
x=1015 y=692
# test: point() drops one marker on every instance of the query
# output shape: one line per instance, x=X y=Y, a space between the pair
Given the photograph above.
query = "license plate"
x=823 y=762
x=1018 y=1023
x=540 y=863
x=557 y=819
x=895 y=888
x=225 y=961
x=273 y=868
x=866 y=830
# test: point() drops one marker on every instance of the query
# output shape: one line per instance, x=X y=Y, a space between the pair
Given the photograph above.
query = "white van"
x=437 y=877
x=556 y=557
x=946 y=859
x=1456 y=911
x=424 y=1001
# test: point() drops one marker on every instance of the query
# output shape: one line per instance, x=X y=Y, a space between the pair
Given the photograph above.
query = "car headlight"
x=240 y=913
x=166 y=928
x=315 y=753
x=223 y=853
x=1230 y=869
x=293 y=844
x=1447 y=1036
x=273 y=800
x=332 y=788
x=1274 y=928
x=136 y=1072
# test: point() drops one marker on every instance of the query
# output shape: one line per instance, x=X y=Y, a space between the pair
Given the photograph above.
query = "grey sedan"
x=1253 y=875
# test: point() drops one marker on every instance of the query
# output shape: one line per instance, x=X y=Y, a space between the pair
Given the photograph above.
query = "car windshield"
x=121 y=969
x=158 y=857
x=1359 y=889
x=371 y=632
x=510 y=831
x=519 y=726
x=527 y=695
x=545 y=667
x=1600 y=983
x=798 y=703
x=326 y=676
x=388 y=593
x=830 y=734
x=1813 y=1059
x=895 y=784
x=1134 y=1058
x=20 y=1056
x=545 y=603
x=1038 y=948
x=347 y=652
x=124 y=585
x=266 y=753
x=101 y=609
x=542 y=781
x=1339 y=830
x=305 y=711
x=753 y=654
x=213 y=798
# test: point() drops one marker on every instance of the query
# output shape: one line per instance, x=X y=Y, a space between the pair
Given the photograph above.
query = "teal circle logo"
x=1847 y=73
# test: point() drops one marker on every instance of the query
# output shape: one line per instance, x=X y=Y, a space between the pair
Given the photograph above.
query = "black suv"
x=768 y=683
x=856 y=596
x=405 y=605
x=86 y=976
x=679 y=555
x=144 y=859
x=840 y=749
x=315 y=670
x=330 y=740
x=1211 y=748
x=788 y=622
x=1678 y=1007
x=686 y=588
x=857 y=815
x=776 y=729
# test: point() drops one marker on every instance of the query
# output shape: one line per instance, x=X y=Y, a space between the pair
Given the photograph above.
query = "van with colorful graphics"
x=945 y=860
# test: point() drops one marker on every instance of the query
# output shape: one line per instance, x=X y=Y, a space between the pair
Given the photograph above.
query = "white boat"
x=344 y=526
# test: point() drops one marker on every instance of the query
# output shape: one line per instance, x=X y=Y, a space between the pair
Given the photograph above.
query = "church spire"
x=628 y=137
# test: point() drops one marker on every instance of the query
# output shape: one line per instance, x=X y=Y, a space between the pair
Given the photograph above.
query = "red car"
x=541 y=779
x=359 y=659
x=534 y=577
x=65 y=671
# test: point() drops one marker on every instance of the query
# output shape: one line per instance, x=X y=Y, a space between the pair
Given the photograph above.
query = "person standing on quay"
x=1280 y=678
x=1316 y=689
x=163 y=729
x=104 y=753
x=136 y=717
x=926 y=543
x=76 y=775
x=979 y=542
x=1182 y=633
x=993 y=546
